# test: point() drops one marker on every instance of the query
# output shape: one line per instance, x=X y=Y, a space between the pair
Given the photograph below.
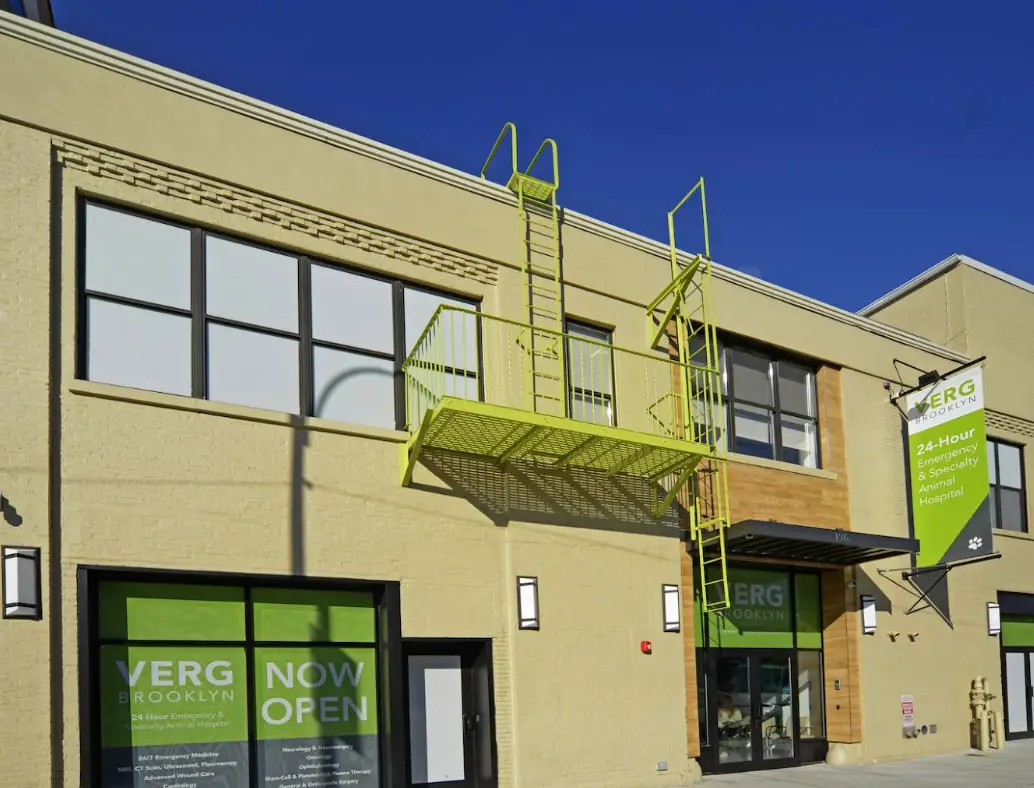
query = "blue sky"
x=846 y=146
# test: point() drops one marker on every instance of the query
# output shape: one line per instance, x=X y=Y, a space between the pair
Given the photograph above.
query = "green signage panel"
x=761 y=612
x=809 y=611
x=286 y=615
x=176 y=714
x=1018 y=631
x=316 y=716
x=947 y=452
x=173 y=715
x=159 y=611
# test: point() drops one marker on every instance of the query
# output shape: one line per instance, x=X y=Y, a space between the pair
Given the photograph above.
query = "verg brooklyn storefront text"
x=237 y=682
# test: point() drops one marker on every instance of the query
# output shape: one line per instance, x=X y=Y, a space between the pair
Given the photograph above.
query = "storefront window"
x=809 y=695
x=236 y=687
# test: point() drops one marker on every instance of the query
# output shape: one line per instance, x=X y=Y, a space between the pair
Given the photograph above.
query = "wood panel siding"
x=840 y=634
x=776 y=494
x=786 y=495
x=689 y=643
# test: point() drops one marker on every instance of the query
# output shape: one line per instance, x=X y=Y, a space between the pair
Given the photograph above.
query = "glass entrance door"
x=753 y=709
x=1017 y=675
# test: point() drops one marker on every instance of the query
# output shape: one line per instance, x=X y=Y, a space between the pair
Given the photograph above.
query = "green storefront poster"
x=947 y=453
x=316 y=712
x=763 y=613
x=174 y=711
x=174 y=715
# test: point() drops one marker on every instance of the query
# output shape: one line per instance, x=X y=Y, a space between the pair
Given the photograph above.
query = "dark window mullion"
x=198 y=332
x=730 y=444
x=306 y=392
x=136 y=303
x=252 y=328
x=995 y=488
x=399 y=323
x=777 y=419
x=358 y=351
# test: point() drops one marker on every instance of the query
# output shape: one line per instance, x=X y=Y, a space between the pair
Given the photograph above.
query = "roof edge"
x=937 y=270
x=87 y=51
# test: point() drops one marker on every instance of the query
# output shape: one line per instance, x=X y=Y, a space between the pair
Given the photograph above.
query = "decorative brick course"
x=105 y=163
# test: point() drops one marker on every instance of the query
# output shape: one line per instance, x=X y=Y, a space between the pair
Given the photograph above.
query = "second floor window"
x=1008 y=499
x=771 y=407
x=181 y=310
x=590 y=361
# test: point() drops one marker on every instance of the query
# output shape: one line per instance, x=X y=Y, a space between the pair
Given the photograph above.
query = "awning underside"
x=803 y=543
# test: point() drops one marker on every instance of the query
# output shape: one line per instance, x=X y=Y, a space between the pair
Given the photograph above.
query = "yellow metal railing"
x=515 y=173
x=469 y=355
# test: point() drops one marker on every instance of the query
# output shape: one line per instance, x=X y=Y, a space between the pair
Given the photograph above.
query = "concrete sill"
x=87 y=388
x=1024 y=537
x=776 y=465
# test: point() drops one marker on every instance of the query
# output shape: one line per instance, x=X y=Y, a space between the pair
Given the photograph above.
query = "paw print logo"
x=975 y=543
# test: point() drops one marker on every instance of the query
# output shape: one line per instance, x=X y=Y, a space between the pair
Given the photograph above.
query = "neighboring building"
x=319 y=486
x=978 y=311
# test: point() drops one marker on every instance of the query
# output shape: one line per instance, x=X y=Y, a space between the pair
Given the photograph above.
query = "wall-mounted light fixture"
x=527 y=602
x=671 y=607
x=22 y=590
x=868 y=605
x=994 y=619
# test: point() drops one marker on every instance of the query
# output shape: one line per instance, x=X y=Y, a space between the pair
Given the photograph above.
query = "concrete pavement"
x=1013 y=767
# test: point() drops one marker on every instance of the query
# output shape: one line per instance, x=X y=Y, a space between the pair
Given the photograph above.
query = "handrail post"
x=509 y=126
x=556 y=161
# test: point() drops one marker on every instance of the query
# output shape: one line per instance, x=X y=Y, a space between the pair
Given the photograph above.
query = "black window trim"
x=775 y=409
x=573 y=389
x=997 y=486
x=200 y=319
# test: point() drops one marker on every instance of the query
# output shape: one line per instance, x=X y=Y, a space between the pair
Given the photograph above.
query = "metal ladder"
x=545 y=387
x=697 y=340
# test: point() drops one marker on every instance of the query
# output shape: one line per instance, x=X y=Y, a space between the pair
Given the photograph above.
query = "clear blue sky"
x=846 y=146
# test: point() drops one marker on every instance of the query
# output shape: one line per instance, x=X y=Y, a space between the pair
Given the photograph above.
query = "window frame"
x=997 y=486
x=200 y=319
x=571 y=388
x=775 y=409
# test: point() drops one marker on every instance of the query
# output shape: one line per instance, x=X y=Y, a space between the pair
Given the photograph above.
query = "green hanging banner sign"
x=947 y=453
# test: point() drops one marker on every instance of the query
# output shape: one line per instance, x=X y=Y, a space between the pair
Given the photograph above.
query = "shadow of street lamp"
x=299 y=442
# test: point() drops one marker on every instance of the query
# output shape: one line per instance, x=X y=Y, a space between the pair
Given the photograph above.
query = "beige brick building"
x=328 y=475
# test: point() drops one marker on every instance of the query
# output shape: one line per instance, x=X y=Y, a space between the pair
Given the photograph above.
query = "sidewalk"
x=1013 y=767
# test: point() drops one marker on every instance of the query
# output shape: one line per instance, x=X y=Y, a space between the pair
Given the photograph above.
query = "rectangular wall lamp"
x=994 y=619
x=22 y=590
x=868 y=605
x=527 y=602
x=672 y=608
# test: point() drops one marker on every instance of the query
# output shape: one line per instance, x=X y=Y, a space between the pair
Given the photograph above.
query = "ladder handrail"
x=671 y=223
x=556 y=161
x=512 y=128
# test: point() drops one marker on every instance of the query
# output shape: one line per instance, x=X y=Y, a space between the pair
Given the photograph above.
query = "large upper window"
x=1008 y=501
x=185 y=311
x=771 y=406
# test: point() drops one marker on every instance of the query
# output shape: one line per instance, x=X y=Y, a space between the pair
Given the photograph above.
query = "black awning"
x=805 y=543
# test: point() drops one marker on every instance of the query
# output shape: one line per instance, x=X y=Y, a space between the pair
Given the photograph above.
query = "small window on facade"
x=251 y=301
x=136 y=300
x=353 y=337
x=590 y=359
x=1008 y=495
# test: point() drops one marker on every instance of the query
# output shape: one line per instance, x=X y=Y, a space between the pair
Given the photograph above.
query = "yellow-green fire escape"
x=688 y=327
x=509 y=390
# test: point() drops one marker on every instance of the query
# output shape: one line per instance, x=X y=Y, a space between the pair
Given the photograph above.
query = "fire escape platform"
x=506 y=433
